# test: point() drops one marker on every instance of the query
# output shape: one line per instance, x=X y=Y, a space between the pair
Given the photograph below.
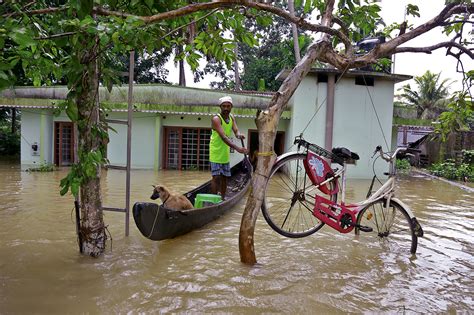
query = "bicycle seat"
x=345 y=153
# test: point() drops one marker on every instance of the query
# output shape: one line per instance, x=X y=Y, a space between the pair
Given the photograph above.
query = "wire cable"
x=376 y=114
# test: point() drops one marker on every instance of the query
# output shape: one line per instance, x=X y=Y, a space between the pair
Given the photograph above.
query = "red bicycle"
x=302 y=191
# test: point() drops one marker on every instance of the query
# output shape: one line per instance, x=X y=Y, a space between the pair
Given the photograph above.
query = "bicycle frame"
x=342 y=216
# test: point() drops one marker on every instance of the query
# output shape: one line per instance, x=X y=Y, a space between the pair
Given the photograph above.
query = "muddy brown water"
x=42 y=272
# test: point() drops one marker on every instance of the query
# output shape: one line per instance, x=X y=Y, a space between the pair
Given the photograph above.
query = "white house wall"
x=147 y=130
x=143 y=141
x=355 y=123
x=307 y=99
x=356 y=126
x=36 y=129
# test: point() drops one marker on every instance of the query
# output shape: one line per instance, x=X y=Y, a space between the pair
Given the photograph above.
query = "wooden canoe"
x=157 y=222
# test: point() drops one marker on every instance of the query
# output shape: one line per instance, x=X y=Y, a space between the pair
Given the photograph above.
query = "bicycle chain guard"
x=339 y=217
x=318 y=171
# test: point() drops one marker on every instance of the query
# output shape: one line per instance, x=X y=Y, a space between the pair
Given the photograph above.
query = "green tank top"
x=219 y=151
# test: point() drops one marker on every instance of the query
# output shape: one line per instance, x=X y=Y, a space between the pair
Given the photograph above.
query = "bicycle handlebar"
x=386 y=156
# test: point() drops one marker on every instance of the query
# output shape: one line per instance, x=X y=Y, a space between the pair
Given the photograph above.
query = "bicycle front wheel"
x=289 y=199
x=392 y=227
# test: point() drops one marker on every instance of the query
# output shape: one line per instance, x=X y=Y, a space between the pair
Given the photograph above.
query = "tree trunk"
x=13 y=120
x=426 y=113
x=236 y=70
x=92 y=221
x=182 y=74
x=296 y=44
x=267 y=123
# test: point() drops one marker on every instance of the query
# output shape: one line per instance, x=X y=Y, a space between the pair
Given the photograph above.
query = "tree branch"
x=344 y=28
x=192 y=8
x=457 y=21
x=186 y=25
x=216 y=4
x=392 y=46
x=55 y=36
x=429 y=49
x=36 y=12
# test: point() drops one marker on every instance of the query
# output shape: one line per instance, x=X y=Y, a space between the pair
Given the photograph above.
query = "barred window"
x=187 y=148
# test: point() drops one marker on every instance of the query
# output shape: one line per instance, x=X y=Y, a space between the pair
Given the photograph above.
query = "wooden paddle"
x=247 y=164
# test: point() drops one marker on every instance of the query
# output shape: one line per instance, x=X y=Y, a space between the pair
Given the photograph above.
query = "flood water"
x=42 y=272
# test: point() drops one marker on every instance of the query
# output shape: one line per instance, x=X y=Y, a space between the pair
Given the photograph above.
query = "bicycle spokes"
x=289 y=199
x=391 y=226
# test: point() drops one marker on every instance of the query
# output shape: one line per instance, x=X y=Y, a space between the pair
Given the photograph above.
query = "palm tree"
x=430 y=95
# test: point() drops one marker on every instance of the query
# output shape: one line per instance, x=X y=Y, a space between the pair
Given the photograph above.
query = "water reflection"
x=42 y=272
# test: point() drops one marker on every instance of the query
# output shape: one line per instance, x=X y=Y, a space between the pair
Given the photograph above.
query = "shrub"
x=43 y=167
x=465 y=172
x=468 y=157
x=9 y=143
x=450 y=170
x=403 y=165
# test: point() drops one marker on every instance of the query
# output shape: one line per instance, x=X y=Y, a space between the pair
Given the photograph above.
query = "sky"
x=414 y=64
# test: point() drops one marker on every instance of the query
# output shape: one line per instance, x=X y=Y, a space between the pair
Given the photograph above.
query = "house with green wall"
x=171 y=124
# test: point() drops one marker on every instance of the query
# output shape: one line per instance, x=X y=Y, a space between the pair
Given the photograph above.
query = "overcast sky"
x=418 y=63
x=406 y=63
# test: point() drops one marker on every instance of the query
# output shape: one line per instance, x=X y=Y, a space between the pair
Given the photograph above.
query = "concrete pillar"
x=329 y=112
x=156 y=164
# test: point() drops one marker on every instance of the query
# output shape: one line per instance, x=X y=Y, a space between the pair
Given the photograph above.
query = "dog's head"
x=159 y=192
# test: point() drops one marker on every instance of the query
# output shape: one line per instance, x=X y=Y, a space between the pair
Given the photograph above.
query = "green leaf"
x=84 y=8
x=247 y=39
x=64 y=189
x=90 y=170
x=412 y=10
x=116 y=37
x=5 y=66
x=36 y=79
x=109 y=85
x=307 y=6
x=149 y=3
x=3 y=75
x=87 y=21
x=72 y=111
x=22 y=37
x=75 y=188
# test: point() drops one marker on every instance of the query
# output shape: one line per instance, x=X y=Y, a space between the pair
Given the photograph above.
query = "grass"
x=43 y=167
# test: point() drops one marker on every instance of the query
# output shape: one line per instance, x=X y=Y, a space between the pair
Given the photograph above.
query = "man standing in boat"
x=219 y=148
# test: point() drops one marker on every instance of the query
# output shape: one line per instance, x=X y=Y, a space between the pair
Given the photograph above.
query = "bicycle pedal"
x=363 y=228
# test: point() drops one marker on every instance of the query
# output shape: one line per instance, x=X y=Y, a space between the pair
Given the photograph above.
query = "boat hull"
x=159 y=223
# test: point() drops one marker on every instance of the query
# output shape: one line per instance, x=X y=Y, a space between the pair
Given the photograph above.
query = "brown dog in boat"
x=171 y=200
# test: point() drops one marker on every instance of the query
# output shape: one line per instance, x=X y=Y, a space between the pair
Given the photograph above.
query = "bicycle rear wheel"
x=289 y=198
x=392 y=227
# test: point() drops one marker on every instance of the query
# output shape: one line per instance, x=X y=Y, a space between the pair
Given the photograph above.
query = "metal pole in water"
x=78 y=224
x=129 y=139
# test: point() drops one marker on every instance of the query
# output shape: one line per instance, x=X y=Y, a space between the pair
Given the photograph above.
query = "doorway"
x=63 y=143
x=278 y=146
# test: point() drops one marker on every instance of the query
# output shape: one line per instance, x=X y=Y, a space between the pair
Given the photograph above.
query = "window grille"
x=173 y=150
x=187 y=148
x=204 y=137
